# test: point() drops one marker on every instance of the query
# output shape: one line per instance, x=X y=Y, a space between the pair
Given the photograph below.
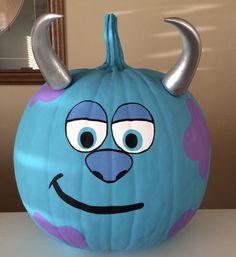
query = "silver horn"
x=177 y=79
x=51 y=67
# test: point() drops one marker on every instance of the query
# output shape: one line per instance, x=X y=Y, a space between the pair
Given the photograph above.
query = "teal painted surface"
x=163 y=178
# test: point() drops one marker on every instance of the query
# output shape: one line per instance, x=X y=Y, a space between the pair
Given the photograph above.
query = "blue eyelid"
x=87 y=110
x=132 y=111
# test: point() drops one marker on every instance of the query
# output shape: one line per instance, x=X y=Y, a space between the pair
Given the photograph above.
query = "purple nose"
x=109 y=165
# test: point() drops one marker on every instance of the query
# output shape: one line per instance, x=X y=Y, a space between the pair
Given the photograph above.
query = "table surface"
x=211 y=233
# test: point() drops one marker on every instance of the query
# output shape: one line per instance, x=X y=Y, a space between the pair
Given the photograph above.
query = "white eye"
x=86 y=135
x=134 y=136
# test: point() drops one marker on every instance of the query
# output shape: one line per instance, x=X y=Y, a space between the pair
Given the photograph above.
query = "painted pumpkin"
x=112 y=158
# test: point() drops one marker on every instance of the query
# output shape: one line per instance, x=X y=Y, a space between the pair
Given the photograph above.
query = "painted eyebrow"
x=132 y=111
x=87 y=110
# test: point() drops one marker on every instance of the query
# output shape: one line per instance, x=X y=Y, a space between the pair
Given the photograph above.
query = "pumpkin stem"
x=114 y=52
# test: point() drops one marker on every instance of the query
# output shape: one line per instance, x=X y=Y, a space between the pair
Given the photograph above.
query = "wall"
x=148 y=42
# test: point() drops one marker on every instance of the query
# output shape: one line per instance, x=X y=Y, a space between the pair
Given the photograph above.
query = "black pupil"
x=131 y=140
x=86 y=139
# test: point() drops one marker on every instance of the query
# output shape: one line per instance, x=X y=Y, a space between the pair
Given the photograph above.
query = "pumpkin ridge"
x=133 y=187
x=48 y=158
x=131 y=240
x=144 y=78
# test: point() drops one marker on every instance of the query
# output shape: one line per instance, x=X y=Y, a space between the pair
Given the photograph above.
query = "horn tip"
x=54 y=15
x=174 y=20
x=167 y=19
x=50 y=16
x=179 y=22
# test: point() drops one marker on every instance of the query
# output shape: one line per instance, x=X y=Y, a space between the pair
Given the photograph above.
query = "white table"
x=211 y=233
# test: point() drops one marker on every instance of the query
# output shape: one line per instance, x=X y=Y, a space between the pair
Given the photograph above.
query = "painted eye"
x=133 y=136
x=86 y=135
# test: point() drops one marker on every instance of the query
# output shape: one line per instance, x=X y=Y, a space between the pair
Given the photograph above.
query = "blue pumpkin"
x=112 y=158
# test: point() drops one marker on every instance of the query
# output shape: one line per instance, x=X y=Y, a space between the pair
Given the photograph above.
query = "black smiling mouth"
x=90 y=208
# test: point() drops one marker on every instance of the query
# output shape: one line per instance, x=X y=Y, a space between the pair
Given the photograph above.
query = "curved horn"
x=53 y=70
x=177 y=79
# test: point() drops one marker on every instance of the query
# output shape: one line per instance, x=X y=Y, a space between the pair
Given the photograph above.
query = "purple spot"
x=196 y=139
x=46 y=94
x=68 y=234
x=181 y=222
